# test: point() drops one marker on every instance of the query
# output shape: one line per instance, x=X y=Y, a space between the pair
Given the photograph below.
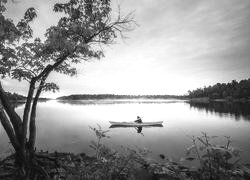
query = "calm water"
x=64 y=126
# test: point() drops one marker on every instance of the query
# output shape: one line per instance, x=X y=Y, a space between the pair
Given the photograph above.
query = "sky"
x=178 y=45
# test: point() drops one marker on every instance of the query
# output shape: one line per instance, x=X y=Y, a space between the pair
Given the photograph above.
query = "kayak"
x=134 y=124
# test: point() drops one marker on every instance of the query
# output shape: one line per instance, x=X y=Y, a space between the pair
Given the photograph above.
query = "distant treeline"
x=18 y=97
x=15 y=97
x=232 y=90
x=113 y=96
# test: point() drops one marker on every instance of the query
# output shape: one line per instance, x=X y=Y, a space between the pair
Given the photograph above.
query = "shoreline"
x=208 y=100
x=66 y=165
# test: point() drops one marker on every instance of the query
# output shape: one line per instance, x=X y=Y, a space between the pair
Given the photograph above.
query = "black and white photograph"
x=125 y=89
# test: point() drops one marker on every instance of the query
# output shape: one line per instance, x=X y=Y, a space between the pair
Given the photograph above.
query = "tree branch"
x=50 y=67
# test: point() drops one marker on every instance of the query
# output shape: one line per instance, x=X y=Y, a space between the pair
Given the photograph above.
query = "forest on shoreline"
x=15 y=96
x=229 y=91
x=232 y=90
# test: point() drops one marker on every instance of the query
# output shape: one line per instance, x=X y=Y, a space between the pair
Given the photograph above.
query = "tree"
x=234 y=89
x=85 y=26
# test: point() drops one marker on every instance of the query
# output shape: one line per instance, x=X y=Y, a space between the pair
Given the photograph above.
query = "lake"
x=64 y=125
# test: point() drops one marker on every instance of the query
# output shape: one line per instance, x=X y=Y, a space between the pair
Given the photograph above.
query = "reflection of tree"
x=236 y=110
x=115 y=101
x=17 y=104
x=114 y=96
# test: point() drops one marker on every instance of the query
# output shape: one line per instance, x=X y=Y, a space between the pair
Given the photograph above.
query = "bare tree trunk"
x=9 y=130
x=13 y=127
x=13 y=116
x=32 y=128
x=26 y=113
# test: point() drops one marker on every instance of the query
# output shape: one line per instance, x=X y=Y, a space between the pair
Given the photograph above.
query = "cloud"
x=178 y=45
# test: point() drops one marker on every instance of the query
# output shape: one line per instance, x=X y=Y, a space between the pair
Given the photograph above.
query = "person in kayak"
x=139 y=120
x=139 y=129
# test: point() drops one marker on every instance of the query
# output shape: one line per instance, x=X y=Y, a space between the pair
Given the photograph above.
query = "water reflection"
x=16 y=104
x=234 y=110
x=132 y=126
x=119 y=101
x=65 y=127
x=137 y=128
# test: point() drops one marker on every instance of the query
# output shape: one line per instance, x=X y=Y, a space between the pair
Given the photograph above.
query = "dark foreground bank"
x=215 y=162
